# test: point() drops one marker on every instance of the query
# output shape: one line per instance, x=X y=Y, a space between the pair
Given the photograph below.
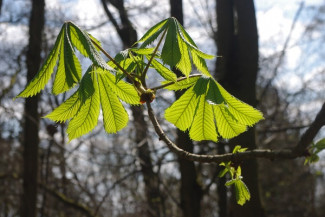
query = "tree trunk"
x=237 y=43
x=191 y=191
x=155 y=200
x=31 y=128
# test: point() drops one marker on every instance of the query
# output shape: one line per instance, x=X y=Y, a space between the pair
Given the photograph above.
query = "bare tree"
x=31 y=129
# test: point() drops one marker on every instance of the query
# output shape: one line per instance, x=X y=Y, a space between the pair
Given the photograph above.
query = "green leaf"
x=87 y=116
x=228 y=126
x=238 y=149
x=164 y=71
x=66 y=110
x=69 y=68
x=320 y=145
x=122 y=89
x=197 y=55
x=182 y=111
x=242 y=192
x=223 y=172
x=152 y=33
x=201 y=86
x=231 y=182
x=184 y=65
x=244 y=113
x=143 y=51
x=183 y=84
x=200 y=63
x=203 y=127
x=170 y=53
x=214 y=96
x=44 y=74
x=114 y=115
x=82 y=41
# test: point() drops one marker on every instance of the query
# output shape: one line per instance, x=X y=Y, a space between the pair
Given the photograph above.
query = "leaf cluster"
x=206 y=109
x=241 y=190
x=314 y=150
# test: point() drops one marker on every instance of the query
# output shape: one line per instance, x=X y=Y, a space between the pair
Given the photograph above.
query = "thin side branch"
x=112 y=59
x=298 y=151
x=173 y=82
x=61 y=197
x=144 y=73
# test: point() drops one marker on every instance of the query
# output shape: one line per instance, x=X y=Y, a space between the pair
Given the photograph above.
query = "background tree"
x=31 y=129
x=237 y=69
x=99 y=174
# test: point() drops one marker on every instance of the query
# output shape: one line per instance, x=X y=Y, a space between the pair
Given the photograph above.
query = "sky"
x=274 y=20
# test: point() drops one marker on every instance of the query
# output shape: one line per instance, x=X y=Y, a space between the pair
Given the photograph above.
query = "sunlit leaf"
x=82 y=42
x=69 y=68
x=66 y=110
x=171 y=53
x=114 y=115
x=242 y=193
x=181 y=112
x=163 y=71
x=203 y=127
x=87 y=116
x=228 y=126
x=122 y=89
x=184 y=65
x=183 y=84
x=42 y=77
x=244 y=113
x=152 y=33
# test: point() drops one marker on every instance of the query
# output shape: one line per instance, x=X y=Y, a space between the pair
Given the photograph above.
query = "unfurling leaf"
x=242 y=193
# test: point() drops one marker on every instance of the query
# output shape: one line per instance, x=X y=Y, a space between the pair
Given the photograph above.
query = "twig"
x=173 y=82
x=144 y=73
x=64 y=199
x=297 y=151
x=112 y=59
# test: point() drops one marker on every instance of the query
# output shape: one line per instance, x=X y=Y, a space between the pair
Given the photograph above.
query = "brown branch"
x=113 y=60
x=173 y=82
x=297 y=151
x=64 y=199
x=144 y=73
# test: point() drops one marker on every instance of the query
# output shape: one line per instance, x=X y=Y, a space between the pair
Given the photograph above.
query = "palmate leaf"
x=66 y=110
x=122 y=89
x=171 y=53
x=44 y=74
x=244 y=113
x=242 y=192
x=82 y=41
x=96 y=87
x=182 y=111
x=87 y=116
x=152 y=33
x=163 y=71
x=228 y=126
x=208 y=110
x=203 y=126
x=178 y=47
x=69 y=68
x=181 y=85
x=114 y=115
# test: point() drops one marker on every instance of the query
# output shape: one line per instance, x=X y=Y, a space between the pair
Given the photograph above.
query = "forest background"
x=132 y=173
